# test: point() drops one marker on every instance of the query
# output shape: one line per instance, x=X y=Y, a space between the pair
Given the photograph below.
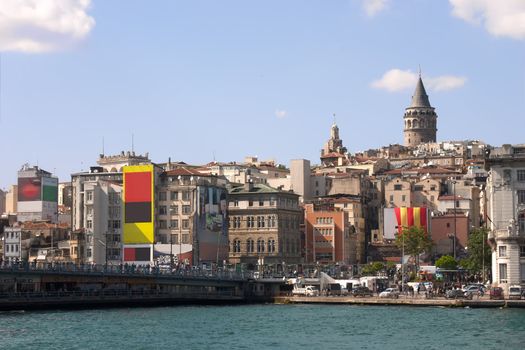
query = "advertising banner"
x=138 y=194
x=395 y=219
x=29 y=189
x=212 y=227
x=50 y=189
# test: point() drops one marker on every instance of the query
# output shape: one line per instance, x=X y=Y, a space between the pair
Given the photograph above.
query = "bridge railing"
x=125 y=269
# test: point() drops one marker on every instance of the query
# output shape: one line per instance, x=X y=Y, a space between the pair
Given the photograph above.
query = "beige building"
x=264 y=225
x=11 y=200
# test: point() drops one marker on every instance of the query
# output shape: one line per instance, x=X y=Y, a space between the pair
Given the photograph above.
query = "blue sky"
x=194 y=80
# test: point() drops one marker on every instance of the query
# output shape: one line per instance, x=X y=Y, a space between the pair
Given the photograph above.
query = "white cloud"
x=373 y=7
x=400 y=80
x=280 y=113
x=499 y=17
x=43 y=25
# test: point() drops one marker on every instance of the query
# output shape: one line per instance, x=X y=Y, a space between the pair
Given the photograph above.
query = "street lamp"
x=402 y=258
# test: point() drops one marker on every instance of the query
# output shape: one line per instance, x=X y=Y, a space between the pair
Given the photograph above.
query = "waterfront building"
x=264 y=225
x=420 y=119
x=327 y=235
x=506 y=214
x=12 y=249
x=37 y=195
x=191 y=217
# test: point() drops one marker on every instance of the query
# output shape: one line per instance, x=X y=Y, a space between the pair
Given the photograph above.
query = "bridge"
x=48 y=286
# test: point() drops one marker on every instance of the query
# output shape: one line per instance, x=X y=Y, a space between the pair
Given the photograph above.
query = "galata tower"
x=420 y=118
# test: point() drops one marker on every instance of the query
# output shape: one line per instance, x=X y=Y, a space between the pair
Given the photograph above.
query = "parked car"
x=389 y=293
x=457 y=294
x=496 y=293
x=474 y=288
x=515 y=292
x=361 y=292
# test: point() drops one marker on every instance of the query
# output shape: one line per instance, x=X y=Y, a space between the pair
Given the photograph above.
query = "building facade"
x=327 y=236
x=506 y=212
x=264 y=225
x=37 y=197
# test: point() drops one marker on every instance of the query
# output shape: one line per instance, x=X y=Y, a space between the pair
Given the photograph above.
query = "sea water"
x=266 y=327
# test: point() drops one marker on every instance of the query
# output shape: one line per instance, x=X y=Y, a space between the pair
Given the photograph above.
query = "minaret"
x=420 y=118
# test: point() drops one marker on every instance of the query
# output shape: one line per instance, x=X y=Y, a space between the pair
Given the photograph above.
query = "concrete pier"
x=476 y=303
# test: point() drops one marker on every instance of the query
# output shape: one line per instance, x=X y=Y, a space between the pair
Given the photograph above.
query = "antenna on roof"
x=419 y=70
x=334 y=117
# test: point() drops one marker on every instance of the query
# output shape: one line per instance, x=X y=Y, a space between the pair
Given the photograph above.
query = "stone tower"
x=420 y=118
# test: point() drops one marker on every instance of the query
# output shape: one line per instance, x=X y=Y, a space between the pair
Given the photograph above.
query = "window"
x=163 y=210
x=272 y=201
x=162 y=224
x=174 y=223
x=89 y=196
x=174 y=195
x=175 y=238
x=521 y=175
x=185 y=224
x=521 y=222
x=502 y=251
x=432 y=188
x=522 y=251
x=186 y=209
x=398 y=187
x=185 y=238
x=271 y=246
x=89 y=211
x=250 y=203
x=249 y=246
x=260 y=245
x=432 y=198
x=521 y=197
x=261 y=203
x=89 y=252
x=403 y=198
x=162 y=196
x=236 y=246
x=502 y=273
x=174 y=209
x=235 y=203
x=89 y=224
x=418 y=188
x=186 y=195
x=391 y=198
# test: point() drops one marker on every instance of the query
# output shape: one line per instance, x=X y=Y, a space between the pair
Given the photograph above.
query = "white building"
x=506 y=212
x=13 y=244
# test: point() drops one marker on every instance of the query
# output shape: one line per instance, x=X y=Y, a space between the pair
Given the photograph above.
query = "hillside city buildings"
x=343 y=209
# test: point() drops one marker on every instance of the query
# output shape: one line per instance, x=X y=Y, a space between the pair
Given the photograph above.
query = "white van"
x=515 y=292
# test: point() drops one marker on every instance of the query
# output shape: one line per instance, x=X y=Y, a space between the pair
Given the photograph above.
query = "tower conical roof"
x=420 y=97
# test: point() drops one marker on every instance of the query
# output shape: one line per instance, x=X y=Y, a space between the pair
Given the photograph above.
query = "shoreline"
x=415 y=302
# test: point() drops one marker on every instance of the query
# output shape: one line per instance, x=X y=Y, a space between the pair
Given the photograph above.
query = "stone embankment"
x=408 y=301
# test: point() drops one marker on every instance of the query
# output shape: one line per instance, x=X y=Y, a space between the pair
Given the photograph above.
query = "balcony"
x=505 y=234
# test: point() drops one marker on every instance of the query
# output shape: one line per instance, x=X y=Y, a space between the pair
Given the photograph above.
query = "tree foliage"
x=447 y=262
x=478 y=250
x=415 y=241
x=372 y=269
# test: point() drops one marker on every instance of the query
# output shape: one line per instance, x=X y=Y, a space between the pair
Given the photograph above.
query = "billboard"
x=50 y=189
x=29 y=189
x=212 y=224
x=394 y=219
x=137 y=253
x=138 y=205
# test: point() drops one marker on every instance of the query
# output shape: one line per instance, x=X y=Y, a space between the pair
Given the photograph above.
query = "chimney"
x=248 y=185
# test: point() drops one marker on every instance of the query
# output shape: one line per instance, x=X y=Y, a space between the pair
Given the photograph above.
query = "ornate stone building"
x=419 y=119
x=264 y=225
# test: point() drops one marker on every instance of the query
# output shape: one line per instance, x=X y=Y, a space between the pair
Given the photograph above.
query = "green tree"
x=372 y=269
x=447 y=262
x=478 y=251
x=415 y=241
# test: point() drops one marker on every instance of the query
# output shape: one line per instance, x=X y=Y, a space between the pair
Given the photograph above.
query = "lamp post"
x=402 y=258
